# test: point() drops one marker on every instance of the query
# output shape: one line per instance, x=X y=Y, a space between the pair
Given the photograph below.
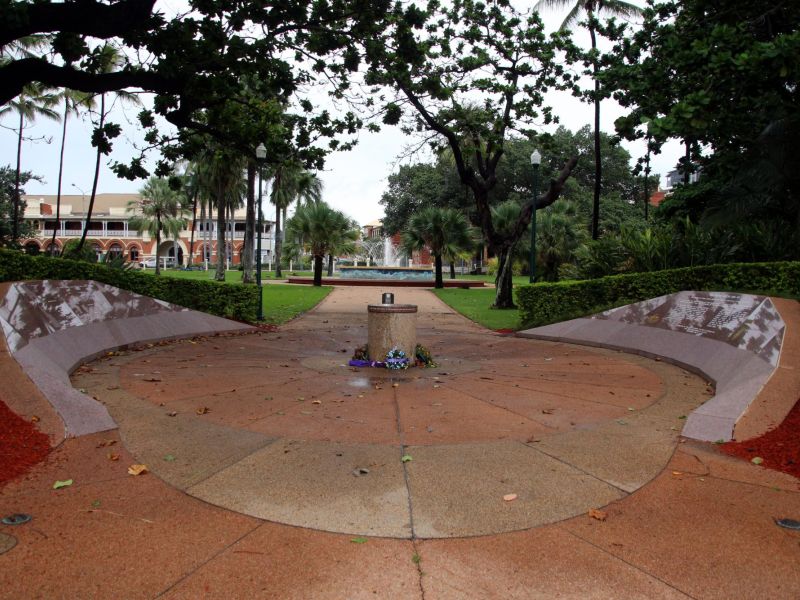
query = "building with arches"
x=109 y=231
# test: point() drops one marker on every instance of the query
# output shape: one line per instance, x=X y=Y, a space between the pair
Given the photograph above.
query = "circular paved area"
x=275 y=425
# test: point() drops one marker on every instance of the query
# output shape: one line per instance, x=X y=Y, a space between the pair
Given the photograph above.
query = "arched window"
x=115 y=250
x=52 y=249
x=32 y=248
x=134 y=253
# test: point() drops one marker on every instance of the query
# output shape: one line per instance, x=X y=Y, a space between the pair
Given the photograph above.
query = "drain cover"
x=17 y=519
x=7 y=542
x=788 y=523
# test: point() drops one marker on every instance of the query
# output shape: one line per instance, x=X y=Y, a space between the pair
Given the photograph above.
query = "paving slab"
x=539 y=564
x=458 y=490
x=312 y=484
x=707 y=537
x=292 y=563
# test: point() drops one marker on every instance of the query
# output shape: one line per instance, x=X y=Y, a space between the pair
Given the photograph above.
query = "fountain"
x=389 y=255
x=391 y=268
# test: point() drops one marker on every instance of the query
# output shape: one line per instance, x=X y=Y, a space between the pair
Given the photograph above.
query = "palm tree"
x=158 y=210
x=558 y=235
x=320 y=230
x=221 y=178
x=617 y=8
x=35 y=101
x=444 y=231
x=290 y=183
x=108 y=59
x=504 y=217
x=73 y=99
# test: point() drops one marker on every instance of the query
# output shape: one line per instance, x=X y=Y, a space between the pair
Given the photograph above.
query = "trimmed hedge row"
x=239 y=302
x=545 y=303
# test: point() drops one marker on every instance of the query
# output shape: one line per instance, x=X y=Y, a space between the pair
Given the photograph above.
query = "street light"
x=261 y=154
x=536 y=160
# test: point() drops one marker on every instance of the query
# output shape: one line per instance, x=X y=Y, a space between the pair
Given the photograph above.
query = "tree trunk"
x=96 y=177
x=158 y=244
x=330 y=265
x=222 y=250
x=190 y=258
x=250 y=226
x=60 y=169
x=278 y=244
x=687 y=161
x=598 y=166
x=504 y=284
x=437 y=271
x=646 y=181
x=452 y=269
x=17 y=196
x=318 y=269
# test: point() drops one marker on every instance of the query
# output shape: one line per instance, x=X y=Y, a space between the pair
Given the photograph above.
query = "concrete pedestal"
x=392 y=326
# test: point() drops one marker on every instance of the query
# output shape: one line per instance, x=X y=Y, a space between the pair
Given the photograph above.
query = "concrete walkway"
x=253 y=440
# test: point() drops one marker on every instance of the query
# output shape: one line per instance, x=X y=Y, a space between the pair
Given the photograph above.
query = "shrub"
x=86 y=254
x=231 y=301
x=545 y=303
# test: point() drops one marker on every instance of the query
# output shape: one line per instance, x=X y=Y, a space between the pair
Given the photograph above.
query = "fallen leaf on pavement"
x=34 y=419
x=60 y=484
x=112 y=456
x=406 y=458
x=359 y=540
x=137 y=469
x=510 y=497
x=756 y=460
x=203 y=410
x=595 y=513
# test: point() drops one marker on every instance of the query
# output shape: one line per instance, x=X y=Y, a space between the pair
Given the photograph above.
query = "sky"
x=353 y=181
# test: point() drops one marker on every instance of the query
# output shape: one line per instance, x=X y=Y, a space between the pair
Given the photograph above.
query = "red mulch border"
x=779 y=448
x=22 y=445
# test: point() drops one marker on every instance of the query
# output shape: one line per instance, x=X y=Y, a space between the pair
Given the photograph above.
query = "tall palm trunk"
x=190 y=259
x=452 y=269
x=250 y=225
x=17 y=175
x=318 y=269
x=598 y=165
x=158 y=244
x=222 y=250
x=646 y=180
x=60 y=169
x=96 y=178
x=278 y=244
x=330 y=265
x=437 y=262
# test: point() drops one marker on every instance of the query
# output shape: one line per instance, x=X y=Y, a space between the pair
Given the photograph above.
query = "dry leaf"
x=172 y=414
x=137 y=469
x=203 y=410
x=316 y=402
x=112 y=456
x=595 y=513
x=677 y=473
x=510 y=497
x=34 y=419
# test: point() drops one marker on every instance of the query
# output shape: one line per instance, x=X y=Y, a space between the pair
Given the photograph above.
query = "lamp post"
x=261 y=154
x=536 y=160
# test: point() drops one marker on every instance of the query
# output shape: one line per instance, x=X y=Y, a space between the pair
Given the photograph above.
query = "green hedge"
x=238 y=302
x=545 y=303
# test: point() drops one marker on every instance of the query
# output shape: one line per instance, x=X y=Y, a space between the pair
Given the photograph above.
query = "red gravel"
x=21 y=445
x=779 y=448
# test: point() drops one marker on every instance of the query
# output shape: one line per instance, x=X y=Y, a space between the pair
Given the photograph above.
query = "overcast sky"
x=354 y=180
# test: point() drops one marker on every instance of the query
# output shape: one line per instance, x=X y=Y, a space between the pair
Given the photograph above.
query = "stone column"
x=392 y=326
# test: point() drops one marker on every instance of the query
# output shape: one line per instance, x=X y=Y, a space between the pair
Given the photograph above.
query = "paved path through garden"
x=264 y=432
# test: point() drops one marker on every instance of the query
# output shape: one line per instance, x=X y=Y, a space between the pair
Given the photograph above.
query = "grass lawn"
x=516 y=279
x=475 y=304
x=282 y=302
x=232 y=276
